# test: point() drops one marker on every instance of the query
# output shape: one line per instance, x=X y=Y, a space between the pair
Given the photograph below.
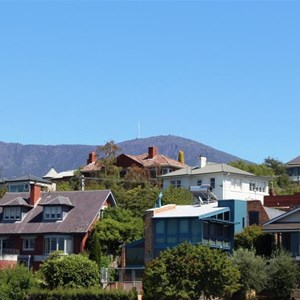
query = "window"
x=18 y=188
x=55 y=243
x=176 y=183
x=12 y=213
x=199 y=182
x=252 y=186
x=52 y=212
x=28 y=243
x=253 y=217
x=212 y=183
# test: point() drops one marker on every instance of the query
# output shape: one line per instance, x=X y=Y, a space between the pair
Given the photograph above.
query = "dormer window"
x=12 y=213
x=53 y=212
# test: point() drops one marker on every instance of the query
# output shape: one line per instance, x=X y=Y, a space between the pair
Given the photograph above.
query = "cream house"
x=223 y=181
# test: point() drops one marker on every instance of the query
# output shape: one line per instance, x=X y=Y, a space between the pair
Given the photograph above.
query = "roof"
x=180 y=211
x=17 y=201
x=28 y=178
x=79 y=219
x=91 y=167
x=157 y=160
x=273 y=212
x=52 y=174
x=294 y=161
x=208 y=169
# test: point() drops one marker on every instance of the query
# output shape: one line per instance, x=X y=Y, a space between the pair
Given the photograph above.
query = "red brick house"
x=156 y=164
x=34 y=224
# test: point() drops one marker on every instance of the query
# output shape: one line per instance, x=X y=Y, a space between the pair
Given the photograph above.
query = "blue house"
x=213 y=224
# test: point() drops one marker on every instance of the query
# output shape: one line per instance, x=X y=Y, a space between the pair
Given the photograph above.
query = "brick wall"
x=5 y=264
x=256 y=205
x=282 y=201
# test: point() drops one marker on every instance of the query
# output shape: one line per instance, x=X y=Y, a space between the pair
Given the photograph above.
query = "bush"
x=187 y=272
x=282 y=274
x=71 y=271
x=15 y=283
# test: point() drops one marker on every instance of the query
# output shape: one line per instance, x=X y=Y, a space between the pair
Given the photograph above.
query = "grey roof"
x=207 y=169
x=59 y=200
x=79 y=219
x=28 y=177
x=17 y=201
x=273 y=212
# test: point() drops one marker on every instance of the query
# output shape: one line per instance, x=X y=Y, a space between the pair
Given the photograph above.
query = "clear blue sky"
x=223 y=73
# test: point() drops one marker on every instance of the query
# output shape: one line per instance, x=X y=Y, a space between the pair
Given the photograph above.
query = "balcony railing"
x=9 y=251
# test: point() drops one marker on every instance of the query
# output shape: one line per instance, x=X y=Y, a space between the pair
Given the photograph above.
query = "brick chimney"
x=92 y=157
x=35 y=194
x=152 y=152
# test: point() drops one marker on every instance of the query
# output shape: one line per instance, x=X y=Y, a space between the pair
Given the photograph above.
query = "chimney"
x=92 y=157
x=152 y=152
x=35 y=194
x=202 y=161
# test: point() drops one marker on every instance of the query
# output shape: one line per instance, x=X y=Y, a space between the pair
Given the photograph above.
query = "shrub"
x=72 y=271
x=15 y=283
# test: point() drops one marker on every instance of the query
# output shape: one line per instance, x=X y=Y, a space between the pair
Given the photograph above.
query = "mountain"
x=17 y=159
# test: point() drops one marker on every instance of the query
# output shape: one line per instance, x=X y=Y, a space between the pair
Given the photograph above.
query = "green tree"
x=179 y=196
x=282 y=275
x=188 y=271
x=253 y=238
x=117 y=227
x=181 y=156
x=15 y=283
x=138 y=199
x=71 y=271
x=253 y=271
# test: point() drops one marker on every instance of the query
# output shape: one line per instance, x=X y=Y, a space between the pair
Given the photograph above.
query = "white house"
x=224 y=181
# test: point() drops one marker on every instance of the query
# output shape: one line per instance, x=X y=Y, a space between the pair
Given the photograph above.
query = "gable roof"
x=17 y=201
x=208 y=169
x=284 y=222
x=79 y=219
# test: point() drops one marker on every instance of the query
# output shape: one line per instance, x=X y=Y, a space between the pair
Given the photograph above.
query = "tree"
x=179 y=196
x=253 y=271
x=253 y=238
x=138 y=199
x=181 y=156
x=188 y=271
x=282 y=275
x=117 y=227
x=15 y=283
x=71 y=271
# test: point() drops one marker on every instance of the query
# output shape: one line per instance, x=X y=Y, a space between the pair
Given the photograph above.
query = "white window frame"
x=12 y=213
x=53 y=243
x=28 y=243
x=176 y=183
x=54 y=212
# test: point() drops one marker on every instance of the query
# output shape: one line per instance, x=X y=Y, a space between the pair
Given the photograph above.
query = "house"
x=92 y=167
x=35 y=223
x=286 y=229
x=154 y=163
x=58 y=177
x=212 y=222
x=293 y=169
x=224 y=181
x=22 y=183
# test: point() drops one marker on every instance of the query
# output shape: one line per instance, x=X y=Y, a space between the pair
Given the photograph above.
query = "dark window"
x=253 y=217
x=212 y=183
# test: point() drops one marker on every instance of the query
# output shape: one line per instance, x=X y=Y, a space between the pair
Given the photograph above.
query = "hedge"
x=82 y=294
